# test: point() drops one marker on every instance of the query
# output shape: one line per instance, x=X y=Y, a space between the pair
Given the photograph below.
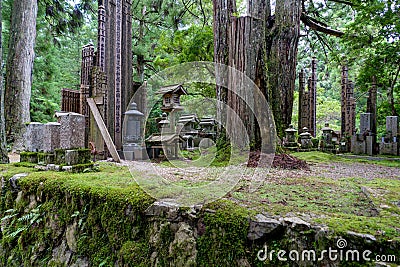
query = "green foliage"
x=187 y=45
x=370 y=47
x=56 y=66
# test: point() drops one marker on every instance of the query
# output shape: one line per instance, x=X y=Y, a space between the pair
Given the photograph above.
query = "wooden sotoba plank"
x=103 y=130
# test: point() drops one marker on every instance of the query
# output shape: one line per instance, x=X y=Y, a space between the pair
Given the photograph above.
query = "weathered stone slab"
x=297 y=223
x=392 y=125
x=358 y=145
x=261 y=226
x=369 y=145
x=34 y=137
x=365 y=123
x=71 y=157
x=389 y=148
x=72 y=130
x=51 y=136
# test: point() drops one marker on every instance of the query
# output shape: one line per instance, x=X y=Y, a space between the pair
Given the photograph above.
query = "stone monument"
x=327 y=144
x=390 y=143
x=290 y=139
x=305 y=140
x=362 y=143
x=133 y=134
x=308 y=100
x=348 y=108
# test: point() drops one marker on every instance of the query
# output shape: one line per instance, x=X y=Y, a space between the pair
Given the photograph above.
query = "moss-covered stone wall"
x=60 y=219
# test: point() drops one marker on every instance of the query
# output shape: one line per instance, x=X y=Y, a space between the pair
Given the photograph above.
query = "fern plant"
x=17 y=225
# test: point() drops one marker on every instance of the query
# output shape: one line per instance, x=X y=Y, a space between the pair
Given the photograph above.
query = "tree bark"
x=246 y=47
x=19 y=69
x=270 y=63
x=3 y=144
x=390 y=93
x=281 y=56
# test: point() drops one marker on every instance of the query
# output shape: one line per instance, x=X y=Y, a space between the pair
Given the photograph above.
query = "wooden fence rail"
x=70 y=100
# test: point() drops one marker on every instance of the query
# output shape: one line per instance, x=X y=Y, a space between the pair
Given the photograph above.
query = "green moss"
x=224 y=240
x=82 y=167
x=45 y=158
x=321 y=157
x=31 y=157
x=134 y=253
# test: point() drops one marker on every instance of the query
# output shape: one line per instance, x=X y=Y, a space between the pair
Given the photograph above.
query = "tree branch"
x=316 y=26
x=343 y=2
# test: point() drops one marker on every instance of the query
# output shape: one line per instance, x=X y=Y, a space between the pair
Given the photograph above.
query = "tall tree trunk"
x=281 y=54
x=270 y=63
x=246 y=48
x=390 y=93
x=19 y=69
x=3 y=144
x=222 y=12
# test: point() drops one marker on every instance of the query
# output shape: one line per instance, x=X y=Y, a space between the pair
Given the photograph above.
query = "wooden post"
x=301 y=96
x=344 y=82
x=313 y=98
x=371 y=108
x=103 y=130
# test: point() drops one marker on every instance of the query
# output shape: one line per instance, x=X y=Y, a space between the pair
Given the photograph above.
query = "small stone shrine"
x=362 y=143
x=208 y=128
x=166 y=143
x=390 y=143
x=188 y=129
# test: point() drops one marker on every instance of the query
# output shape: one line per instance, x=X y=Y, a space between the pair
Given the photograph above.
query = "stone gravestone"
x=392 y=126
x=390 y=143
x=34 y=137
x=362 y=143
x=72 y=130
x=365 y=123
x=51 y=136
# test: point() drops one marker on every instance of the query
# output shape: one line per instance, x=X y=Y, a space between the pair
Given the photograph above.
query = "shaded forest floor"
x=357 y=195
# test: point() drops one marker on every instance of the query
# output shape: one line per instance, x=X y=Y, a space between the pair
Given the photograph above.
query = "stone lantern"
x=326 y=140
x=327 y=134
x=164 y=123
x=132 y=135
x=305 y=139
x=171 y=97
x=291 y=136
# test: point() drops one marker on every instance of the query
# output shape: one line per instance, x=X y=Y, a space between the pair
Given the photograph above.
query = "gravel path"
x=334 y=170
